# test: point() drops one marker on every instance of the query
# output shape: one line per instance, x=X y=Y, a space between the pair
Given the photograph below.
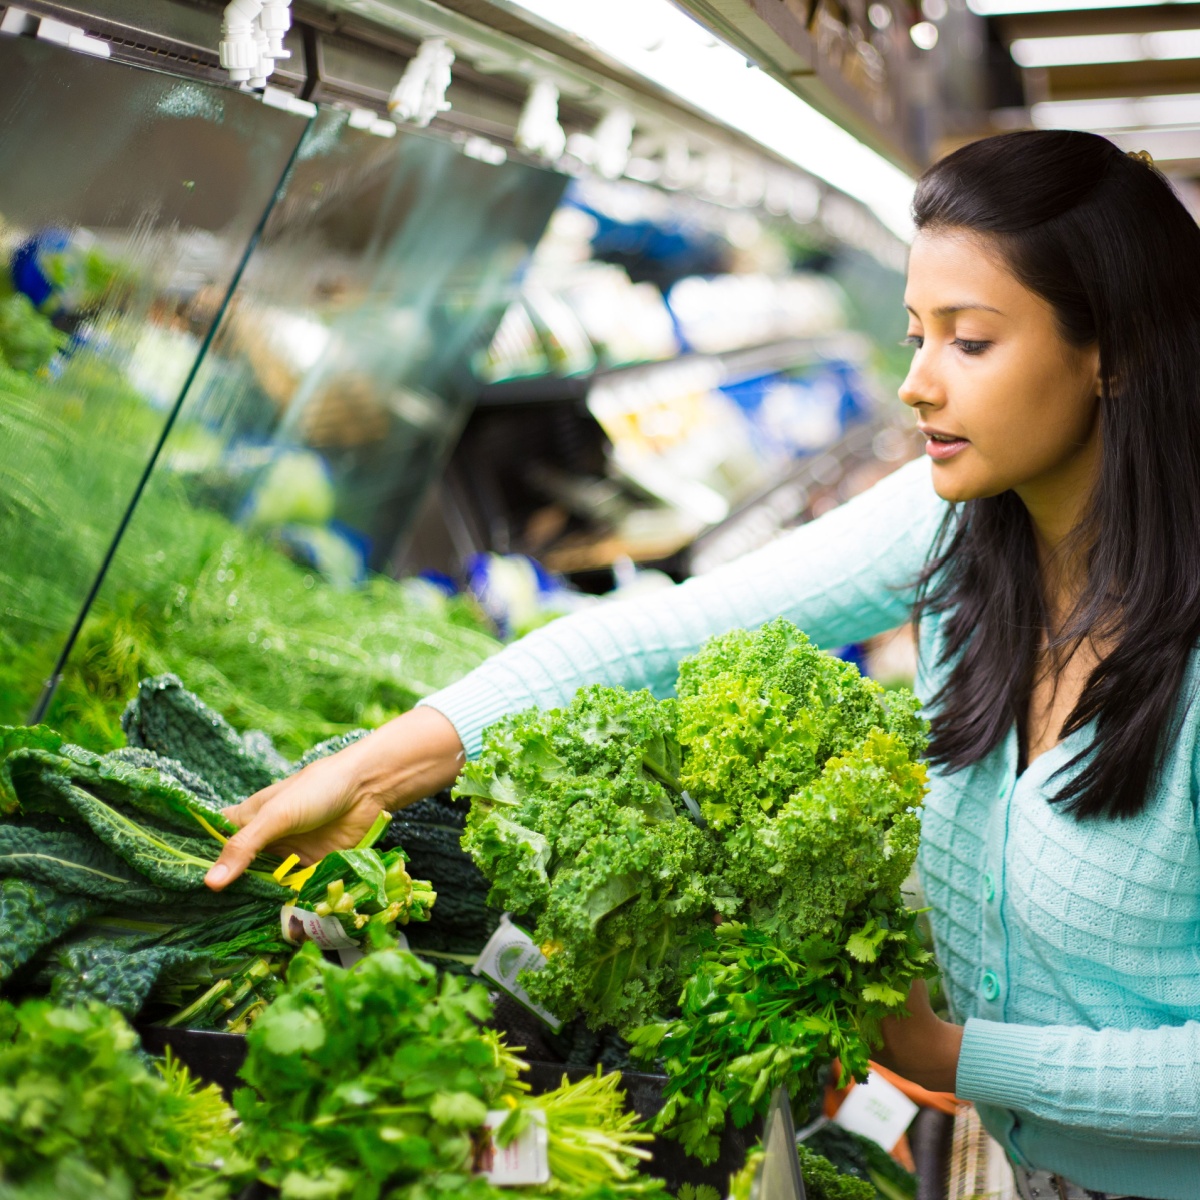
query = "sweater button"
x=989 y=886
x=991 y=985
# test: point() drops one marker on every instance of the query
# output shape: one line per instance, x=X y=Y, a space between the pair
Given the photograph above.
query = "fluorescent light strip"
x=662 y=44
x=1132 y=113
x=1007 y=8
x=1106 y=48
x=1164 y=145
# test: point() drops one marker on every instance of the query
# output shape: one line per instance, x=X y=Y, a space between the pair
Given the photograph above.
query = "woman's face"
x=1004 y=402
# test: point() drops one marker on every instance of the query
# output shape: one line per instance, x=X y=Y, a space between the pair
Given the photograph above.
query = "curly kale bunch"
x=717 y=874
x=577 y=820
x=808 y=779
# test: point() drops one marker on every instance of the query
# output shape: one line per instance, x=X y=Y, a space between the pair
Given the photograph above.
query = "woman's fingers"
x=239 y=814
x=312 y=799
x=269 y=824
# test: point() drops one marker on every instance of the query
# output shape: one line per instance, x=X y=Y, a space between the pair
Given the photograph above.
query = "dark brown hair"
x=1103 y=238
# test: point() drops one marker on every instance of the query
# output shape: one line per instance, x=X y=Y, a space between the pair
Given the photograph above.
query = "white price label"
x=877 y=1110
x=299 y=925
x=509 y=951
x=524 y=1161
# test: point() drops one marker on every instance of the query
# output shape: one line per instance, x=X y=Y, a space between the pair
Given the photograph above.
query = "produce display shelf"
x=733 y=366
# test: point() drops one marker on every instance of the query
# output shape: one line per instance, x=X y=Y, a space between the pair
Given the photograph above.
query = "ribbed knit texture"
x=1070 y=949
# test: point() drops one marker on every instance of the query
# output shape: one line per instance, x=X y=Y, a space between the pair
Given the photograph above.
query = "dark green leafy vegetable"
x=853 y=1154
x=102 y=864
x=822 y=1180
x=33 y=915
x=81 y=1111
x=753 y=1016
x=462 y=920
x=173 y=722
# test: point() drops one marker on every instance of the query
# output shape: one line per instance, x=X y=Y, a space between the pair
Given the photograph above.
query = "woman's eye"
x=915 y=340
x=968 y=347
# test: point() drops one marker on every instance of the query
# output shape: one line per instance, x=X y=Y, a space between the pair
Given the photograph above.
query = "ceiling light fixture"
x=1134 y=112
x=924 y=35
x=664 y=45
x=1161 y=45
x=1007 y=8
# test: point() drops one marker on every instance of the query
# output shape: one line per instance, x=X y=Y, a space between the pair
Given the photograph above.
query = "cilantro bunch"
x=717 y=874
x=376 y=1081
x=363 y=1080
x=82 y=1114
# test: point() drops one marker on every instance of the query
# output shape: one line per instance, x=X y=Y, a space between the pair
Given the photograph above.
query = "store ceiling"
x=1128 y=70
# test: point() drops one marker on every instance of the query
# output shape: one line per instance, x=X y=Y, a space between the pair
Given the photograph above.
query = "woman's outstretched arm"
x=841 y=578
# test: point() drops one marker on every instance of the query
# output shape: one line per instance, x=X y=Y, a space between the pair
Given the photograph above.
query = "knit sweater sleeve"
x=1143 y=1084
x=841 y=578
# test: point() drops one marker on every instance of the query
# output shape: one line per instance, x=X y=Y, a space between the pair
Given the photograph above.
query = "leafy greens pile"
x=377 y=1081
x=362 y=1083
x=103 y=858
x=717 y=874
x=270 y=644
x=81 y=1114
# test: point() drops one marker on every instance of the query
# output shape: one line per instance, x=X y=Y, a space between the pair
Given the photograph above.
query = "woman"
x=1049 y=547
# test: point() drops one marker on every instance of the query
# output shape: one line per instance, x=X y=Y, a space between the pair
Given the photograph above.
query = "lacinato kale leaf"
x=103 y=860
x=33 y=916
x=58 y=857
x=173 y=722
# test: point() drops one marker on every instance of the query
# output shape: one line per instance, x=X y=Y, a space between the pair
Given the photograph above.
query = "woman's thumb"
x=265 y=827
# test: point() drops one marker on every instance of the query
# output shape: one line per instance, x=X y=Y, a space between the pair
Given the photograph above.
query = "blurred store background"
x=316 y=386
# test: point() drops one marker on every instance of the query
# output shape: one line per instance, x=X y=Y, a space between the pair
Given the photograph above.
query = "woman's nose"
x=919 y=386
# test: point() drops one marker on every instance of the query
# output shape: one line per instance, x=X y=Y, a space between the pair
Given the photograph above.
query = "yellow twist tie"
x=284 y=867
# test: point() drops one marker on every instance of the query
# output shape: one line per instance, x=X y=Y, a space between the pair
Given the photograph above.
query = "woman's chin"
x=957 y=486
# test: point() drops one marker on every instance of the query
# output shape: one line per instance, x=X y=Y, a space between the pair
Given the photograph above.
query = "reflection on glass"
x=341 y=374
x=334 y=388
x=127 y=201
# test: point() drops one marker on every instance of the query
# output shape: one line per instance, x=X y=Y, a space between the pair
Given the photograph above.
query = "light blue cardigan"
x=1070 y=949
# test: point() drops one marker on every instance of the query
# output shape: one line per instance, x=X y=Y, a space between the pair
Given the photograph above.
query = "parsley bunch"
x=754 y=1016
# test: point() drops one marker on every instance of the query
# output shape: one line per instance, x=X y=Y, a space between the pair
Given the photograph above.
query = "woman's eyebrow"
x=948 y=310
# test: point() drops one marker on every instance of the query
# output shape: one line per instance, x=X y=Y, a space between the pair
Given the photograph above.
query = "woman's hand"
x=921 y=1046
x=334 y=801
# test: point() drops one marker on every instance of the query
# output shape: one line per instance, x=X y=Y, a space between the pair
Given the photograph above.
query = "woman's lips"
x=940 y=450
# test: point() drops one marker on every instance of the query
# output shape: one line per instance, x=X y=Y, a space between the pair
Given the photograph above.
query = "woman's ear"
x=1097 y=374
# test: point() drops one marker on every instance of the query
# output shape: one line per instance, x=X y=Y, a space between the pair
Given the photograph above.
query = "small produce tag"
x=524 y=1161
x=299 y=925
x=510 y=950
x=876 y=1110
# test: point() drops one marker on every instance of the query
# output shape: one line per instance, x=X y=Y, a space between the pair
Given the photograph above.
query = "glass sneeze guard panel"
x=128 y=199
x=334 y=389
